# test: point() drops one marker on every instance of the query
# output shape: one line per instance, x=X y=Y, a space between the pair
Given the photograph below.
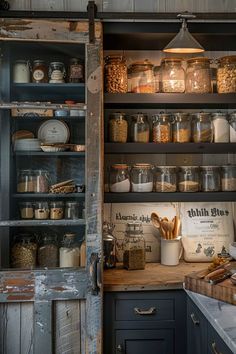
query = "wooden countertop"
x=154 y=277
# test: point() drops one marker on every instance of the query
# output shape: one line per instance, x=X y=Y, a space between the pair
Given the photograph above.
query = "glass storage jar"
x=39 y=72
x=232 y=127
x=142 y=78
x=161 y=128
x=165 y=179
x=72 y=210
x=76 y=70
x=56 y=210
x=221 y=127
x=202 y=128
x=198 y=75
x=118 y=128
x=116 y=77
x=139 y=129
x=41 y=181
x=69 y=251
x=226 y=74
x=134 y=247
x=25 y=181
x=172 y=75
x=57 y=72
x=41 y=210
x=26 y=210
x=24 y=251
x=181 y=128
x=119 y=179
x=228 y=178
x=210 y=178
x=188 y=179
x=21 y=72
x=142 y=177
x=48 y=252
x=157 y=78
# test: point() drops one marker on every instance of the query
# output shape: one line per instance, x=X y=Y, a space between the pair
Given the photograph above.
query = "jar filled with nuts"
x=140 y=128
x=24 y=251
x=161 y=129
x=198 y=75
x=118 y=128
x=56 y=210
x=48 y=252
x=202 y=128
x=41 y=211
x=226 y=74
x=172 y=75
x=116 y=78
x=181 y=128
x=142 y=78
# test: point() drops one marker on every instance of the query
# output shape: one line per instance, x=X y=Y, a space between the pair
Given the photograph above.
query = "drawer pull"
x=148 y=312
x=119 y=348
x=215 y=351
x=195 y=321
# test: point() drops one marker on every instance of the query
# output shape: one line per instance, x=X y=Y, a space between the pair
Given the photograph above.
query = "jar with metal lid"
x=41 y=210
x=181 y=128
x=118 y=128
x=221 y=127
x=109 y=246
x=25 y=181
x=172 y=75
x=56 y=210
x=188 y=179
x=165 y=179
x=198 y=75
x=142 y=78
x=48 y=252
x=157 y=78
x=134 y=247
x=228 y=178
x=41 y=181
x=21 y=72
x=202 y=128
x=119 y=179
x=72 y=210
x=24 y=251
x=57 y=72
x=161 y=128
x=26 y=210
x=140 y=128
x=210 y=178
x=39 y=71
x=116 y=78
x=76 y=70
x=69 y=251
x=142 y=177
x=232 y=127
x=226 y=74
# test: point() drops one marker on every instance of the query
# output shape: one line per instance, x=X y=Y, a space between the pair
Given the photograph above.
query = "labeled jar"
x=48 y=252
x=165 y=179
x=157 y=78
x=188 y=179
x=228 y=178
x=21 y=72
x=202 y=128
x=210 y=179
x=119 y=178
x=39 y=72
x=26 y=210
x=116 y=78
x=134 y=247
x=25 y=181
x=57 y=72
x=142 y=178
x=161 y=128
x=24 y=252
x=140 y=129
x=142 y=78
x=232 y=127
x=226 y=74
x=41 y=181
x=198 y=75
x=56 y=210
x=41 y=210
x=69 y=251
x=118 y=128
x=72 y=210
x=181 y=128
x=221 y=127
x=76 y=70
x=172 y=75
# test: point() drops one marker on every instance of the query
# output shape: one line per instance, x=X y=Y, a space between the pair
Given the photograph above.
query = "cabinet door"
x=215 y=344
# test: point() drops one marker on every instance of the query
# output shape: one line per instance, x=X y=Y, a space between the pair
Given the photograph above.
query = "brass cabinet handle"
x=148 y=312
x=195 y=321
x=215 y=351
x=119 y=348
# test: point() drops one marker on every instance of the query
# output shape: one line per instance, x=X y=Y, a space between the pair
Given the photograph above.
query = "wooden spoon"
x=156 y=222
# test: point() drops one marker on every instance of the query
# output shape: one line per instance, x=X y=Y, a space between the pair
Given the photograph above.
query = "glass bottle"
x=41 y=178
x=140 y=128
x=142 y=177
x=181 y=128
x=198 y=75
x=119 y=179
x=188 y=179
x=26 y=210
x=56 y=210
x=142 y=77
x=118 y=128
x=25 y=181
x=165 y=179
x=109 y=246
x=228 y=178
x=57 y=72
x=39 y=71
x=41 y=210
x=24 y=251
x=116 y=77
x=134 y=247
x=72 y=210
x=226 y=73
x=48 y=252
x=172 y=75
x=76 y=70
x=202 y=128
x=232 y=127
x=210 y=178
x=161 y=128
x=221 y=127
x=69 y=251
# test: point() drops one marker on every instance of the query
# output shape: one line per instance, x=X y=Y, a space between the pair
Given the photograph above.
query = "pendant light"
x=184 y=42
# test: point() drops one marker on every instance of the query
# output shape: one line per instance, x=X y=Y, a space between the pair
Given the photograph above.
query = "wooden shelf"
x=31 y=119
x=62 y=222
x=51 y=154
x=47 y=195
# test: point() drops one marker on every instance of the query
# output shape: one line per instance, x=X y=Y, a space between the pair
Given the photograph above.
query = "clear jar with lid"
x=157 y=78
x=56 y=72
x=118 y=128
x=226 y=74
x=39 y=71
x=198 y=75
x=161 y=128
x=41 y=210
x=76 y=70
x=202 y=128
x=134 y=247
x=210 y=179
x=116 y=77
x=232 y=127
x=56 y=210
x=188 y=179
x=72 y=210
x=142 y=177
x=140 y=129
x=48 y=252
x=24 y=251
x=25 y=181
x=119 y=178
x=165 y=179
x=69 y=251
x=142 y=78
x=26 y=210
x=41 y=181
x=221 y=127
x=228 y=178
x=181 y=128
x=172 y=75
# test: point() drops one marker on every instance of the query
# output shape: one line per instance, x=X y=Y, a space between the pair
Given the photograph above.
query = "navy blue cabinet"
x=215 y=344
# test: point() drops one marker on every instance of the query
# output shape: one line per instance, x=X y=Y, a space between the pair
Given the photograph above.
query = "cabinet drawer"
x=215 y=344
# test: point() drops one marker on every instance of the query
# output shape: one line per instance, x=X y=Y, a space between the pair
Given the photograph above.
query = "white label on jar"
x=69 y=257
x=57 y=75
x=232 y=135
x=38 y=75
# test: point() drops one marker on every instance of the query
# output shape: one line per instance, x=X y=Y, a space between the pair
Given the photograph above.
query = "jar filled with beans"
x=202 y=128
x=226 y=74
x=161 y=130
x=118 y=128
x=181 y=128
x=24 y=251
x=140 y=128
x=116 y=77
x=198 y=75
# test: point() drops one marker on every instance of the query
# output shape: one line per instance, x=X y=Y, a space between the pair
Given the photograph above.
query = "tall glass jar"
x=69 y=251
x=24 y=252
x=142 y=177
x=165 y=179
x=188 y=179
x=157 y=78
x=142 y=78
x=118 y=128
x=56 y=72
x=173 y=75
x=116 y=78
x=198 y=75
x=221 y=127
x=228 y=178
x=25 y=181
x=232 y=127
x=41 y=178
x=140 y=128
x=119 y=181
x=48 y=252
x=161 y=129
x=202 y=128
x=226 y=73
x=181 y=128
x=72 y=210
x=210 y=178
x=39 y=72
x=134 y=247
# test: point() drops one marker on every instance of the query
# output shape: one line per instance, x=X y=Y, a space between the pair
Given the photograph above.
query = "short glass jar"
x=228 y=178
x=210 y=178
x=48 y=252
x=165 y=179
x=161 y=128
x=181 y=128
x=198 y=75
x=69 y=251
x=56 y=210
x=134 y=247
x=188 y=179
x=172 y=75
x=226 y=74
x=142 y=78
x=140 y=129
x=39 y=72
x=25 y=181
x=41 y=181
x=72 y=210
x=118 y=128
x=24 y=251
x=41 y=210
x=142 y=177
x=157 y=78
x=221 y=127
x=119 y=178
x=26 y=210
x=116 y=77
x=56 y=72
x=232 y=127
x=76 y=70
x=202 y=128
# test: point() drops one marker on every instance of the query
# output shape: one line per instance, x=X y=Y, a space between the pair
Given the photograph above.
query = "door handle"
x=215 y=351
x=95 y=273
x=148 y=312
x=195 y=321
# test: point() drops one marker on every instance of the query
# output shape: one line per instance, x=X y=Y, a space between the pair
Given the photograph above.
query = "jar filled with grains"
x=119 y=179
x=69 y=251
x=202 y=128
x=140 y=128
x=118 y=128
x=181 y=128
x=48 y=252
x=198 y=75
x=26 y=210
x=188 y=179
x=165 y=179
x=226 y=74
x=232 y=127
x=142 y=177
x=161 y=129
x=210 y=178
x=134 y=247
x=221 y=127
x=24 y=252
x=172 y=75
x=41 y=178
x=116 y=78
x=228 y=178
x=56 y=210
x=25 y=181
x=142 y=78
x=41 y=210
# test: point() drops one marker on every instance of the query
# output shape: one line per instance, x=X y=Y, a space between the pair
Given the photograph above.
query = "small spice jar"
x=119 y=178
x=181 y=128
x=188 y=179
x=172 y=75
x=25 y=181
x=134 y=247
x=26 y=210
x=165 y=179
x=72 y=210
x=41 y=210
x=118 y=128
x=232 y=127
x=161 y=128
x=116 y=78
x=202 y=128
x=69 y=251
x=24 y=251
x=198 y=75
x=226 y=74
x=21 y=72
x=39 y=72
x=210 y=178
x=48 y=252
x=142 y=78
x=76 y=70
x=228 y=178
x=41 y=181
x=221 y=127
x=57 y=72
x=56 y=210
x=140 y=128
x=142 y=177
x=157 y=78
